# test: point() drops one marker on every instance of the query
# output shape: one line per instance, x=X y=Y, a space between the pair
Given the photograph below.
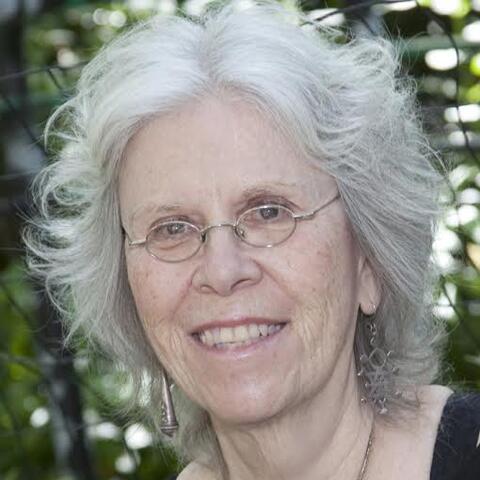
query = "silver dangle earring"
x=169 y=424
x=375 y=368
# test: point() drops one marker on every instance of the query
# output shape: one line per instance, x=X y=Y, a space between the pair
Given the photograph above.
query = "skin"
x=294 y=413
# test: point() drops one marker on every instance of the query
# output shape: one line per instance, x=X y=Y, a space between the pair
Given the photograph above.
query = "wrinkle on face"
x=312 y=278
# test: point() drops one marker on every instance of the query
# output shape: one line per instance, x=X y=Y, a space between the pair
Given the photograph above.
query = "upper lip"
x=230 y=323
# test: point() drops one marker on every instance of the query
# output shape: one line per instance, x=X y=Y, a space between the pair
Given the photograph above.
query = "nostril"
x=206 y=289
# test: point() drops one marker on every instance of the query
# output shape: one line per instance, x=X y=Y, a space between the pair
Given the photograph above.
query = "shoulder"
x=433 y=396
x=457 y=447
x=196 y=471
x=431 y=401
x=413 y=436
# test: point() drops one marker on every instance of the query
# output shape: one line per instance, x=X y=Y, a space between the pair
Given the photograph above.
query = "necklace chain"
x=367 y=454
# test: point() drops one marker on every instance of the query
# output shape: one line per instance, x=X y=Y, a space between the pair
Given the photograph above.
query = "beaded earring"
x=375 y=368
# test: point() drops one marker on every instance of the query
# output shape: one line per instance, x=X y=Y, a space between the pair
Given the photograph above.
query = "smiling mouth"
x=241 y=336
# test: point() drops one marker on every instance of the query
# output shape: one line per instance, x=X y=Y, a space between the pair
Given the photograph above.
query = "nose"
x=225 y=264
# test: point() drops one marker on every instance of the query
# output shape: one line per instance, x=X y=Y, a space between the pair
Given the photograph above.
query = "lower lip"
x=241 y=351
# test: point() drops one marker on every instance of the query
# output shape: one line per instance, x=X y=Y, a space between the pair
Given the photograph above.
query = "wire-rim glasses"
x=263 y=226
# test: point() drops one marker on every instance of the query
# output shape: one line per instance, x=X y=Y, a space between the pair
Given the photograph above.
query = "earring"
x=375 y=368
x=169 y=424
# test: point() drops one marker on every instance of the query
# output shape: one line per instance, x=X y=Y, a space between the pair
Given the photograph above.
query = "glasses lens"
x=266 y=226
x=173 y=241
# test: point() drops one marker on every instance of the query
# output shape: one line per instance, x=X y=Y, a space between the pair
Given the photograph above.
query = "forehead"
x=211 y=151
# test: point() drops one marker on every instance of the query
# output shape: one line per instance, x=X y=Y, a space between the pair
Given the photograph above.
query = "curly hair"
x=343 y=102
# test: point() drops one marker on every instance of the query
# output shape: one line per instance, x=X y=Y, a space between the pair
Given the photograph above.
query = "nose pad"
x=240 y=232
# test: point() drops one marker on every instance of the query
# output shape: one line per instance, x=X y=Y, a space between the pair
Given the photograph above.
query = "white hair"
x=344 y=104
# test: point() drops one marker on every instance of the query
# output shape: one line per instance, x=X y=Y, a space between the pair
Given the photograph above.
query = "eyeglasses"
x=264 y=226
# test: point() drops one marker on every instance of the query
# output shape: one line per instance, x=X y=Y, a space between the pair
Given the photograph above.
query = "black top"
x=457 y=449
x=456 y=455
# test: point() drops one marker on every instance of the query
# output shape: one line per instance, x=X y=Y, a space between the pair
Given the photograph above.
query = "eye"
x=171 y=231
x=175 y=228
x=269 y=213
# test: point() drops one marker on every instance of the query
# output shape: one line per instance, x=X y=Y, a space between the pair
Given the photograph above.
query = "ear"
x=369 y=293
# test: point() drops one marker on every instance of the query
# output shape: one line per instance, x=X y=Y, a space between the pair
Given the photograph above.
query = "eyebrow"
x=152 y=207
x=263 y=190
x=270 y=188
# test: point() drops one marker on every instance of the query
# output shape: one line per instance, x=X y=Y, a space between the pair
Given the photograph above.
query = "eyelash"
x=255 y=202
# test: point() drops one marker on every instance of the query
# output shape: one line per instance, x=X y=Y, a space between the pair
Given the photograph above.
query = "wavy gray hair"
x=343 y=103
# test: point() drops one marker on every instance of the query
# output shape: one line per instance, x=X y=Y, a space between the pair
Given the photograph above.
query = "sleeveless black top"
x=456 y=455
x=457 y=449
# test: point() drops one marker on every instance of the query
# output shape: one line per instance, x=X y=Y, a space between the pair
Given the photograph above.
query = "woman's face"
x=209 y=162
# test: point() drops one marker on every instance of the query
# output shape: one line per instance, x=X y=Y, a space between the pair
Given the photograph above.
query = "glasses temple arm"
x=133 y=243
x=306 y=216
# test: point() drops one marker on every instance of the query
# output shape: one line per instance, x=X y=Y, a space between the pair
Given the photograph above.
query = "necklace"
x=367 y=454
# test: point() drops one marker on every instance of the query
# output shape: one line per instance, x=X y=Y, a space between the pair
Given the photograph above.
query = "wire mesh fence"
x=57 y=410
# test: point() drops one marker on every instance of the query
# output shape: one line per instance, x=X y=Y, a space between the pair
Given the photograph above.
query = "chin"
x=245 y=409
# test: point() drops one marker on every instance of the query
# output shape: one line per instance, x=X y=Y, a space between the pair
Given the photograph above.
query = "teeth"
x=241 y=333
x=209 y=337
x=273 y=328
x=244 y=334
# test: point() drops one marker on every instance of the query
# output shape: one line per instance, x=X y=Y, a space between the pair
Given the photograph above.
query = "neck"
x=323 y=437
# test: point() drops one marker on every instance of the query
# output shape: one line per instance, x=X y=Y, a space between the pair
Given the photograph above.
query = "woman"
x=242 y=214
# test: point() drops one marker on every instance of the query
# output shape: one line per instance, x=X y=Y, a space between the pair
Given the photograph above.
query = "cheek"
x=156 y=300
x=319 y=311
x=158 y=295
x=326 y=289
x=140 y=284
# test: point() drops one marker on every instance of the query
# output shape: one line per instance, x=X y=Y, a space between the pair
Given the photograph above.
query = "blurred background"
x=57 y=407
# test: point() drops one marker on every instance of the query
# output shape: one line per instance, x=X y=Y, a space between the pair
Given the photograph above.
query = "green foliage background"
x=70 y=34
